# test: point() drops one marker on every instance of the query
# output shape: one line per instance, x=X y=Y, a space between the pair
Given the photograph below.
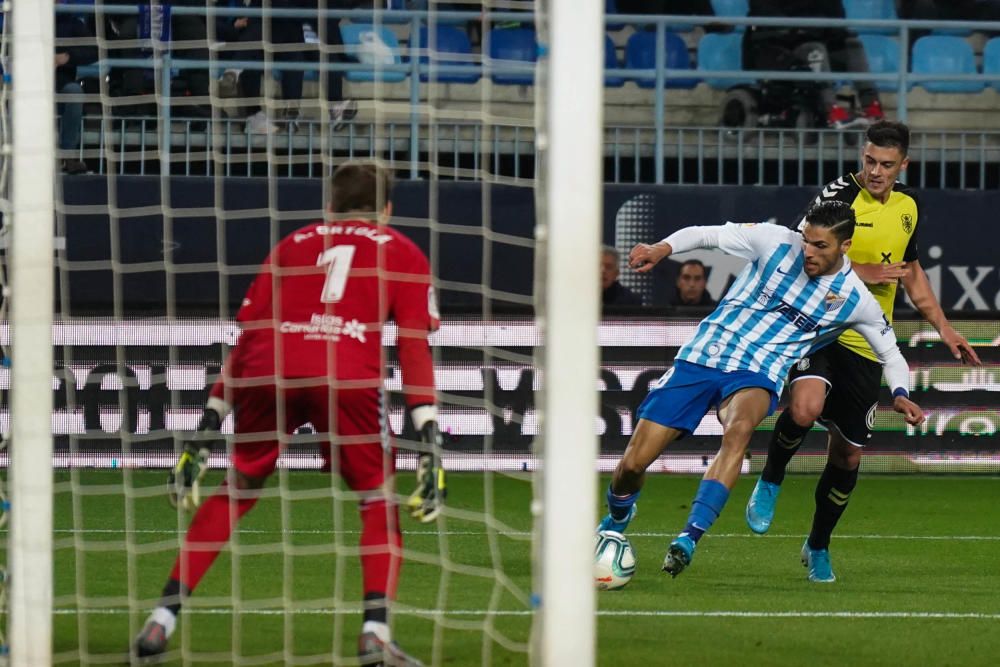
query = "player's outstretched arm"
x=427 y=500
x=881 y=336
x=748 y=241
x=919 y=289
x=184 y=481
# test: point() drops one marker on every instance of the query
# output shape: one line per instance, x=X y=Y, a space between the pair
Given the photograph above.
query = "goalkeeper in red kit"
x=311 y=351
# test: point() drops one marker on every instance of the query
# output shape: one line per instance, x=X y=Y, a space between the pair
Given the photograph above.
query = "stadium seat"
x=720 y=51
x=447 y=40
x=731 y=8
x=370 y=46
x=611 y=62
x=640 y=54
x=882 y=52
x=514 y=45
x=871 y=9
x=610 y=8
x=991 y=61
x=393 y=6
x=943 y=54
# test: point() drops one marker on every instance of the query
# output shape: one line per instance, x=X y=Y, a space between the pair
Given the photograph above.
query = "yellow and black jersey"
x=884 y=233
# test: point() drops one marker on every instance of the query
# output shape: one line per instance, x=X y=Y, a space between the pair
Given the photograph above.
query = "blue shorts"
x=688 y=391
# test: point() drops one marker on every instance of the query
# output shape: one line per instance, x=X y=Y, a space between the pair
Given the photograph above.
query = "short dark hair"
x=365 y=187
x=837 y=216
x=889 y=134
x=694 y=262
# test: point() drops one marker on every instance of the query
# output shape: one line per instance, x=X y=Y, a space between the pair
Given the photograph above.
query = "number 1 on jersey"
x=338 y=258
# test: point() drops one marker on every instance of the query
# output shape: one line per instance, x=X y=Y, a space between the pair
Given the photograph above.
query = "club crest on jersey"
x=832 y=301
x=907 y=220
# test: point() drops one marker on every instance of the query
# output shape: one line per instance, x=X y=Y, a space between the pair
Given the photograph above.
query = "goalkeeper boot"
x=374 y=651
x=760 y=507
x=152 y=639
x=679 y=555
x=609 y=522
x=818 y=562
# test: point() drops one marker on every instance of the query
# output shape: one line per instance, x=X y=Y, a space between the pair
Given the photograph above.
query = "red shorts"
x=364 y=457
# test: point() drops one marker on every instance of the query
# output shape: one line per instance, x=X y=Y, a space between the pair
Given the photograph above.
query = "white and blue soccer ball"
x=614 y=561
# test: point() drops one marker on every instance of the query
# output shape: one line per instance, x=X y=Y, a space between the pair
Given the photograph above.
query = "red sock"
x=381 y=547
x=208 y=533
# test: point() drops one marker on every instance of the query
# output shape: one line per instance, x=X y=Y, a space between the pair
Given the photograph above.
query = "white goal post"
x=31 y=262
x=572 y=137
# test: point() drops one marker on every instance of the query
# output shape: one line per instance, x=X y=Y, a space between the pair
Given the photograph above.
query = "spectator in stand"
x=70 y=53
x=286 y=45
x=613 y=293
x=188 y=41
x=819 y=49
x=691 y=283
x=124 y=82
x=948 y=10
x=341 y=110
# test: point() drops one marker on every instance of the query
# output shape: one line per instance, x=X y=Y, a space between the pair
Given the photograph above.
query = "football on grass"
x=614 y=561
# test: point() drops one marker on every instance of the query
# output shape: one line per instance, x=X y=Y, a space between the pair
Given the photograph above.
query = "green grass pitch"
x=916 y=558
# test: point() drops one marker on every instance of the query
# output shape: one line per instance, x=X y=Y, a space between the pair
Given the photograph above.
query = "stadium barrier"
x=145 y=380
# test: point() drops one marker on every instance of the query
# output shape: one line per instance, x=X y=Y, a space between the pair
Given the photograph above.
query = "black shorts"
x=854 y=382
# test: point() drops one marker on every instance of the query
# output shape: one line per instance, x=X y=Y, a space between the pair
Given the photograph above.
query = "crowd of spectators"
x=241 y=38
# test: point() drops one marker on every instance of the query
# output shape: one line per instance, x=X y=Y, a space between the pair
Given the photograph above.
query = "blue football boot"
x=679 y=555
x=818 y=562
x=760 y=507
x=609 y=523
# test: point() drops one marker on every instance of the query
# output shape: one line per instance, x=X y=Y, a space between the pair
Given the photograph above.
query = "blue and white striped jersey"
x=774 y=314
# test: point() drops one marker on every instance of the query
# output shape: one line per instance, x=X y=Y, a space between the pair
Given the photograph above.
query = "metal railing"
x=421 y=143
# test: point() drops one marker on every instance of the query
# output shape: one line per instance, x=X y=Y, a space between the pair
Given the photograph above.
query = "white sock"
x=166 y=618
x=380 y=630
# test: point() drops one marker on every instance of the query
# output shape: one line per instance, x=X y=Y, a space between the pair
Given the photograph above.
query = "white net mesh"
x=205 y=149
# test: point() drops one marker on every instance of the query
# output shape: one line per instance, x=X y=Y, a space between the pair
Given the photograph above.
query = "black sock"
x=173 y=595
x=832 y=493
x=375 y=608
x=785 y=441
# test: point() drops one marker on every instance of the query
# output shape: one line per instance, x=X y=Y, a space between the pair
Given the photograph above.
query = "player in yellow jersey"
x=839 y=384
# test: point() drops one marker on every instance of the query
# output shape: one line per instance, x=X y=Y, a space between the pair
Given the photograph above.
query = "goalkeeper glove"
x=184 y=481
x=427 y=500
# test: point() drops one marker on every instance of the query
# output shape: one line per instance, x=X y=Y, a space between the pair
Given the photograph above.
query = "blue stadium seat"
x=943 y=54
x=731 y=8
x=721 y=51
x=611 y=7
x=370 y=46
x=640 y=53
x=883 y=57
x=611 y=62
x=991 y=61
x=871 y=9
x=447 y=39
x=517 y=45
x=393 y=6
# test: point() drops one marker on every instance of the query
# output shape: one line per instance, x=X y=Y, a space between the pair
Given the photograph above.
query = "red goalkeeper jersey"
x=318 y=306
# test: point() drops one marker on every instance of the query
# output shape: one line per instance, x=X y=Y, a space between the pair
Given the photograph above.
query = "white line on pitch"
x=796 y=536
x=946 y=615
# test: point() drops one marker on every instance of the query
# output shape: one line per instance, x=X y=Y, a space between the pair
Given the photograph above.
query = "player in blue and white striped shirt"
x=798 y=293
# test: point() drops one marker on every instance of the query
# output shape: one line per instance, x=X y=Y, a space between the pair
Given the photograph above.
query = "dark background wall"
x=168 y=233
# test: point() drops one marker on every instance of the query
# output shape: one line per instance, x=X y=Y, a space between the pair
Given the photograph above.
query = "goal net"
x=205 y=133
